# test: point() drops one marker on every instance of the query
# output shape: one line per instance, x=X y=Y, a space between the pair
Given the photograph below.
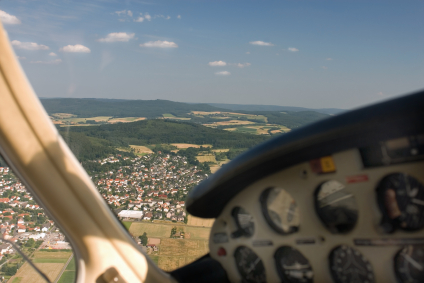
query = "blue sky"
x=315 y=54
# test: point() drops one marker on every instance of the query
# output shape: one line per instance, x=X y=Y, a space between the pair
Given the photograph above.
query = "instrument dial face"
x=249 y=265
x=292 y=266
x=401 y=199
x=409 y=264
x=244 y=221
x=337 y=208
x=348 y=265
x=280 y=210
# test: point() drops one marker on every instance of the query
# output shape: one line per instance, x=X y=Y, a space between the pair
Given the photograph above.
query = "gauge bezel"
x=321 y=217
x=387 y=223
x=331 y=263
x=252 y=251
x=280 y=269
x=264 y=207
x=396 y=267
x=240 y=229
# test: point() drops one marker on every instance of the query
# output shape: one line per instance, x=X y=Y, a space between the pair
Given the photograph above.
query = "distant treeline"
x=122 y=108
x=163 y=131
x=156 y=108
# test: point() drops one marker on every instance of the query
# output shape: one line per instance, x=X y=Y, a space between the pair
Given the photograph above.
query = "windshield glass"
x=153 y=97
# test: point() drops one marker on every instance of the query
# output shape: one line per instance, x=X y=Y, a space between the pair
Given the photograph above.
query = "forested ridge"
x=95 y=142
x=121 y=108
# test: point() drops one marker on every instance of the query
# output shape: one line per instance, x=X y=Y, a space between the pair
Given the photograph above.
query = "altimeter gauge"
x=249 y=265
x=401 y=200
x=348 y=265
x=409 y=264
x=292 y=266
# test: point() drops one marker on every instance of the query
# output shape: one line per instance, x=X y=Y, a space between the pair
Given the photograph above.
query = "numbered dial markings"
x=349 y=265
x=244 y=222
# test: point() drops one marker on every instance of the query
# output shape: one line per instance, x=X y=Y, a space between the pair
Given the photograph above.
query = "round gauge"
x=409 y=264
x=249 y=265
x=292 y=266
x=401 y=199
x=349 y=265
x=280 y=210
x=336 y=208
x=244 y=221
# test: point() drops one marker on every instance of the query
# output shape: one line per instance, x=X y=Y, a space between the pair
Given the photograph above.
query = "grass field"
x=206 y=158
x=187 y=145
x=28 y=274
x=201 y=222
x=175 y=253
x=141 y=149
x=17 y=280
x=127 y=224
x=50 y=260
x=152 y=230
x=69 y=274
x=221 y=150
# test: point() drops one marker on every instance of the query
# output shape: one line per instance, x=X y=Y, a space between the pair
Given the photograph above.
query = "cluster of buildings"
x=154 y=186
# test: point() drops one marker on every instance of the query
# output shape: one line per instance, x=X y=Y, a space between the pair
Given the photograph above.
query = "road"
x=63 y=269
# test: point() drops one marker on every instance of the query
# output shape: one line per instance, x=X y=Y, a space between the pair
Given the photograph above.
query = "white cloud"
x=129 y=13
x=117 y=36
x=179 y=17
x=148 y=17
x=324 y=67
x=77 y=48
x=29 y=45
x=53 y=62
x=223 y=73
x=8 y=19
x=123 y=12
x=261 y=43
x=21 y=58
x=52 y=54
x=217 y=64
x=139 y=20
x=160 y=44
x=247 y=52
x=380 y=93
x=292 y=49
x=329 y=59
x=242 y=65
x=167 y=18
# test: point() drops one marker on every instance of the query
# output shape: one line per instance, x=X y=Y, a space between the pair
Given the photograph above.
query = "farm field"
x=125 y=120
x=68 y=276
x=202 y=222
x=229 y=123
x=153 y=230
x=51 y=263
x=175 y=253
x=187 y=145
x=206 y=158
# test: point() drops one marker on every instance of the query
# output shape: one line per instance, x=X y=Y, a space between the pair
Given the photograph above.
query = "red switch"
x=222 y=252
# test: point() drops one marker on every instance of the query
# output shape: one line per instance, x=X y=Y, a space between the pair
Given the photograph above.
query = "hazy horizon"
x=326 y=54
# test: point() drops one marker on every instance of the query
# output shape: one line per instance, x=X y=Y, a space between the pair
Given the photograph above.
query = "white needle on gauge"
x=252 y=266
x=413 y=262
x=418 y=201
